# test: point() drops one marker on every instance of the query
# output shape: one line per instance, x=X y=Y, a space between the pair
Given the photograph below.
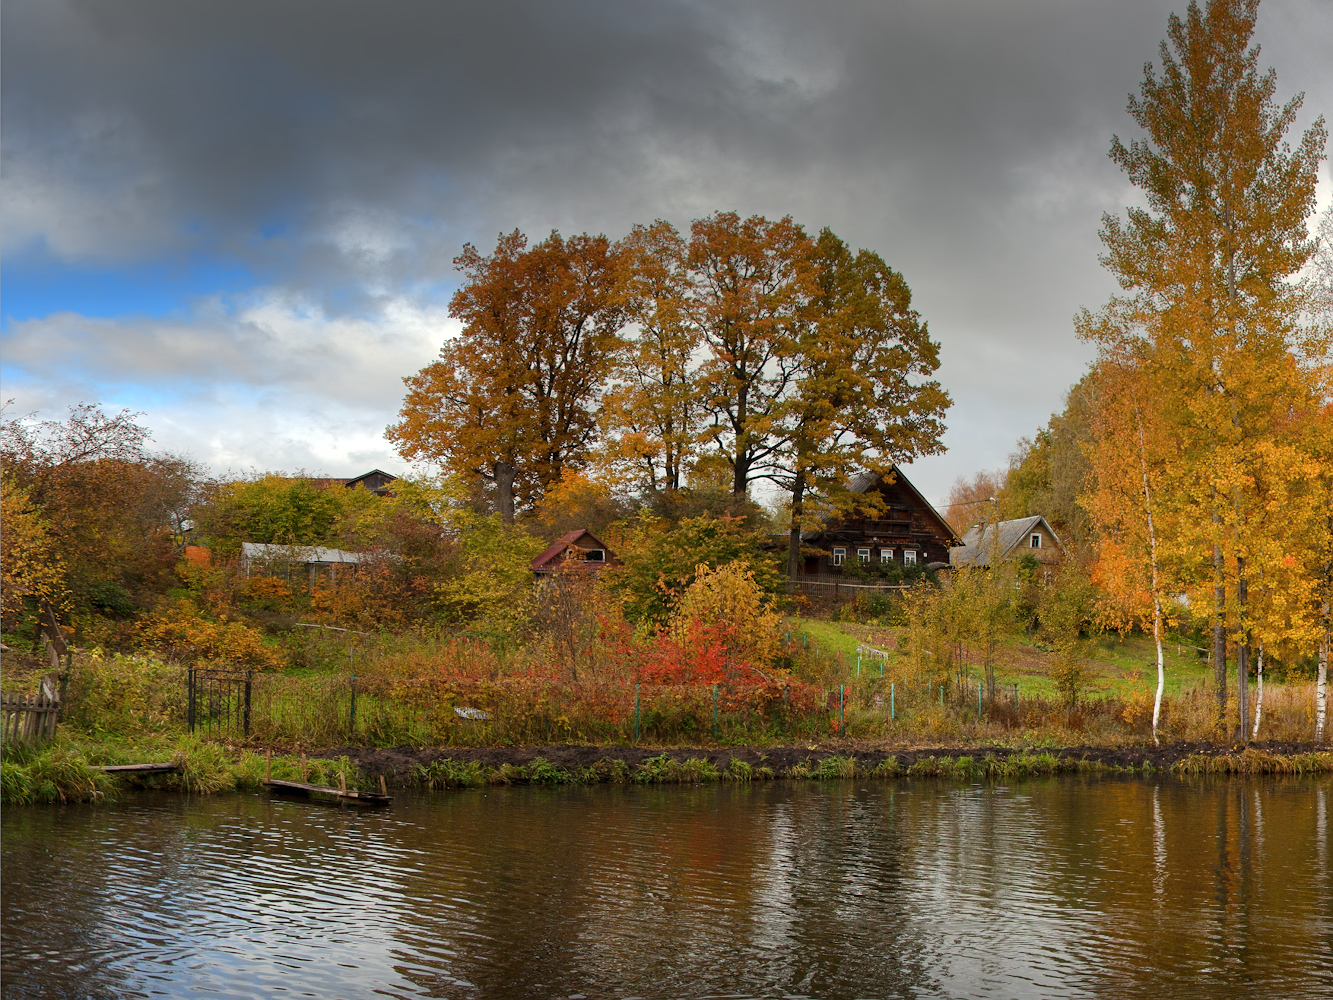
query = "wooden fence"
x=30 y=718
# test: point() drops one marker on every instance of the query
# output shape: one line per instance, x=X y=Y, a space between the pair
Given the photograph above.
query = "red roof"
x=550 y=557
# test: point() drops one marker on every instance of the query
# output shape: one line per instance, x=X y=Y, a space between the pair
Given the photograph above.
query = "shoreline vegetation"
x=65 y=770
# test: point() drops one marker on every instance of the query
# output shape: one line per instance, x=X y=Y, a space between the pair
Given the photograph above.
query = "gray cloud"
x=345 y=150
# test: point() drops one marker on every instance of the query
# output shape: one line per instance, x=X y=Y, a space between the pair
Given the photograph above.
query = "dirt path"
x=397 y=762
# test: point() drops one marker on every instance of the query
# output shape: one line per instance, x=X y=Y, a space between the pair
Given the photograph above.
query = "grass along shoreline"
x=65 y=770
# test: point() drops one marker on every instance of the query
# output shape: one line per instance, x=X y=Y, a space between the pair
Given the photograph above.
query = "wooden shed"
x=577 y=551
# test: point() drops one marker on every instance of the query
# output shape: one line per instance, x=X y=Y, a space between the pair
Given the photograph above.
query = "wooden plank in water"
x=351 y=794
x=170 y=767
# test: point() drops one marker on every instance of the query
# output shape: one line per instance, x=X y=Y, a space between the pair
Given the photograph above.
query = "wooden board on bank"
x=323 y=791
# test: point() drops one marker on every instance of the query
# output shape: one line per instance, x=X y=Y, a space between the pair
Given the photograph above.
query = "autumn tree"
x=863 y=396
x=1131 y=453
x=107 y=508
x=652 y=417
x=514 y=399
x=752 y=283
x=972 y=501
x=1207 y=265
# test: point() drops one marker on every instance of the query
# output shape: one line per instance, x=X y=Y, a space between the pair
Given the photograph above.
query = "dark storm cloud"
x=344 y=151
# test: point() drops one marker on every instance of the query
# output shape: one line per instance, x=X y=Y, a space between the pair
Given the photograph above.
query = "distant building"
x=908 y=530
x=376 y=480
x=577 y=551
x=282 y=560
x=983 y=544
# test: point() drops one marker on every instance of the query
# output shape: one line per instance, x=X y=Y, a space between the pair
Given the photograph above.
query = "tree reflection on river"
x=1059 y=887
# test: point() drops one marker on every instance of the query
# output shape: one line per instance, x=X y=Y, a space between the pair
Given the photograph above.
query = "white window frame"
x=909 y=557
x=863 y=555
x=886 y=555
x=1034 y=542
x=839 y=554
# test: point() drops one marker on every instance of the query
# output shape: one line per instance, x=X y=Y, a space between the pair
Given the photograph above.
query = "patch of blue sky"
x=34 y=288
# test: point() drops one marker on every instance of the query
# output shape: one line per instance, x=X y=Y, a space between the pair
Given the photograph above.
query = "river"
x=1057 y=887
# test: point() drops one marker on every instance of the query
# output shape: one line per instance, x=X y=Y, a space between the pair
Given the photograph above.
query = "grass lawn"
x=1117 y=667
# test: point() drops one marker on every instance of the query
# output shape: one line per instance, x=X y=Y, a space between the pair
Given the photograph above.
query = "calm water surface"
x=1061 y=887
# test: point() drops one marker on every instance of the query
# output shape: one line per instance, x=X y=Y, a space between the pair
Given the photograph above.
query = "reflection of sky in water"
x=1064 y=887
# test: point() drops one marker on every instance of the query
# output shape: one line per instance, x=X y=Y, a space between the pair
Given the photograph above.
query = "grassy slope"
x=1120 y=667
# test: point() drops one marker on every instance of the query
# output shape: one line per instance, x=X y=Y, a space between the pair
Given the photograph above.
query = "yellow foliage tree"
x=728 y=598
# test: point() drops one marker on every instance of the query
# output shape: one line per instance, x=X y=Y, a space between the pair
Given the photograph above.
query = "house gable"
x=578 y=549
x=908 y=531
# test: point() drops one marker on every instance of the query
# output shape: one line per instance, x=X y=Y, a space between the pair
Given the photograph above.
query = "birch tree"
x=1208 y=265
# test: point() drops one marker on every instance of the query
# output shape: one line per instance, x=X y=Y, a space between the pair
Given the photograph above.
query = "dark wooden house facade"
x=907 y=531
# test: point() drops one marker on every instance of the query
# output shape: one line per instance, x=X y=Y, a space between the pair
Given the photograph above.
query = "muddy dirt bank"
x=396 y=763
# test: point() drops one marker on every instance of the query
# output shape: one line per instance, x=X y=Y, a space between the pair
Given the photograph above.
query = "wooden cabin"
x=577 y=551
x=907 y=530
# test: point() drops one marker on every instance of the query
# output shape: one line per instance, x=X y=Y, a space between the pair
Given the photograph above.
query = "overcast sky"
x=239 y=217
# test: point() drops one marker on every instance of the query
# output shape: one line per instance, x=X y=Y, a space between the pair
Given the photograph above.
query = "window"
x=909 y=557
x=1035 y=541
x=595 y=555
x=886 y=555
x=839 y=554
x=863 y=555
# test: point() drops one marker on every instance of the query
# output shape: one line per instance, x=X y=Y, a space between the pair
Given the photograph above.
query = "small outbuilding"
x=987 y=543
x=577 y=551
x=281 y=560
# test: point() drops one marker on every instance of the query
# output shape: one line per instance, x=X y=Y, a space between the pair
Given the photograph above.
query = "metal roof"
x=315 y=555
x=980 y=544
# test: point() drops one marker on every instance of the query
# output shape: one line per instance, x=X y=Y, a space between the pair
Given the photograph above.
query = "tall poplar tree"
x=1208 y=264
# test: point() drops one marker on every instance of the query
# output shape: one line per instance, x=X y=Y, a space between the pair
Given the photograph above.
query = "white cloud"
x=273 y=382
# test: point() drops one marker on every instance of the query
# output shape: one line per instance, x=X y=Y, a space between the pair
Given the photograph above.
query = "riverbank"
x=67 y=769
x=564 y=763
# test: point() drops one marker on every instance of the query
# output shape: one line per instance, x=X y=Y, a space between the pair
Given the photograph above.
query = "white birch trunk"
x=1156 y=594
x=1321 y=685
x=1259 y=695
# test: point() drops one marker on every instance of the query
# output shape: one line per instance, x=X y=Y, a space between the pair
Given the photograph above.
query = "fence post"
x=941 y=696
x=636 y=713
x=351 y=718
x=249 y=674
x=714 y=711
x=189 y=700
x=842 y=710
x=978 y=699
x=858 y=663
x=893 y=714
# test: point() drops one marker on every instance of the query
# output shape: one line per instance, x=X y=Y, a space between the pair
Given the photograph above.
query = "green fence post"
x=893 y=714
x=714 y=711
x=858 y=664
x=351 y=719
x=636 y=713
x=941 y=696
x=978 y=699
x=842 y=709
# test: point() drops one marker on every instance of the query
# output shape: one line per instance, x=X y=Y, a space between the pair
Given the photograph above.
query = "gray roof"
x=316 y=555
x=979 y=546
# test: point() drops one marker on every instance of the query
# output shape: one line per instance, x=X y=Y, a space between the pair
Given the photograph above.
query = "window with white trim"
x=886 y=555
x=839 y=554
x=863 y=555
x=909 y=557
x=1035 y=541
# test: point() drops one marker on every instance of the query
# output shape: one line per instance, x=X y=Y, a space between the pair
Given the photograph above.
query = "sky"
x=239 y=218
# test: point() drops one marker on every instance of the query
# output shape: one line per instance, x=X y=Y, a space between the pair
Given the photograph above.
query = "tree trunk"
x=1156 y=583
x=794 y=535
x=1242 y=655
x=1259 y=695
x=1219 y=637
x=1321 y=683
x=740 y=480
x=504 y=486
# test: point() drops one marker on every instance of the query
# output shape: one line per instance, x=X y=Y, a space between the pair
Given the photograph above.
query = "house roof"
x=561 y=545
x=366 y=475
x=980 y=544
x=317 y=555
x=864 y=482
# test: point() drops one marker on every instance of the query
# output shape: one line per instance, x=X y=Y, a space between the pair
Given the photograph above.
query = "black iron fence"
x=218 y=701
